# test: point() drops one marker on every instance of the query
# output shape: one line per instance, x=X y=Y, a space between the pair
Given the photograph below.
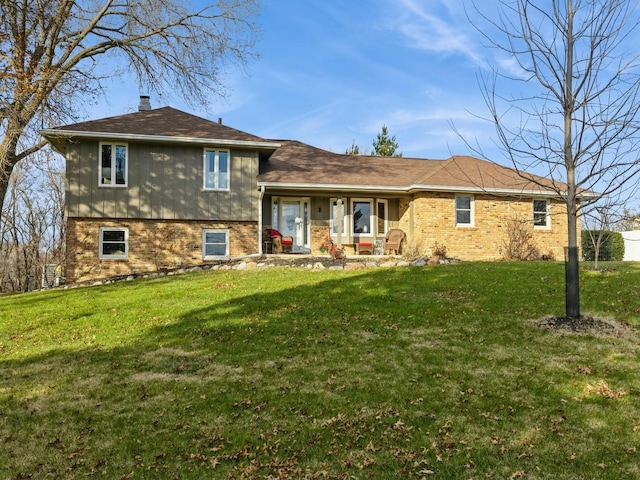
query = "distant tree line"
x=32 y=230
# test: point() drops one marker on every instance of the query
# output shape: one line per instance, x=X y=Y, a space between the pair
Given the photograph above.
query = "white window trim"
x=113 y=166
x=204 y=245
x=125 y=256
x=275 y=212
x=217 y=172
x=548 y=214
x=472 y=208
x=385 y=224
x=372 y=216
x=345 y=217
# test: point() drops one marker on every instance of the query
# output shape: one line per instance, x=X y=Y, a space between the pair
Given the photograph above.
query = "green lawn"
x=408 y=372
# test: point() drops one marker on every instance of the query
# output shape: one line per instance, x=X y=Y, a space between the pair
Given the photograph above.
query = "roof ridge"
x=426 y=176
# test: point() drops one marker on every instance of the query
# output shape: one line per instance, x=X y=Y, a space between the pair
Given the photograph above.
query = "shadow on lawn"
x=351 y=342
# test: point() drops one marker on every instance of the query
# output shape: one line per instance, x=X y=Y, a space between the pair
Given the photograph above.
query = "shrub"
x=611 y=246
x=439 y=250
x=518 y=244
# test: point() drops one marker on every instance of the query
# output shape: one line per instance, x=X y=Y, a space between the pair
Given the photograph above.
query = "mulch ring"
x=586 y=325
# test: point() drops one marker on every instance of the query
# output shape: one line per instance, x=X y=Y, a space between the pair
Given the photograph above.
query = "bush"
x=518 y=243
x=439 y=250
x=611 y=248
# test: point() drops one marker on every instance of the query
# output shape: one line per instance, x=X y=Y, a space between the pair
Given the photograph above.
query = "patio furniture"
x=281 y=243
x=364 y=247
x=395 y=241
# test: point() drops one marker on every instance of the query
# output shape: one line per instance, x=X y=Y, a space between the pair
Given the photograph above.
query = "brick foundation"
x=154 y=245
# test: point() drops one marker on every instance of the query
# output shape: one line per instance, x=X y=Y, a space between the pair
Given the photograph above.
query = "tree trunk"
x=572 y=300
x=4 y=187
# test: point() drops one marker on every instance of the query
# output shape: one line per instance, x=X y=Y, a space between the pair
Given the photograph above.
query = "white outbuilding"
x=631 y=245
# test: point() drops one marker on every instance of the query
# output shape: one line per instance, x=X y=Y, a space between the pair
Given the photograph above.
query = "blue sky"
x=333 y=72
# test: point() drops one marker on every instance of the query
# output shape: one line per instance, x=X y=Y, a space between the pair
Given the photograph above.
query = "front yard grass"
x=436 y=372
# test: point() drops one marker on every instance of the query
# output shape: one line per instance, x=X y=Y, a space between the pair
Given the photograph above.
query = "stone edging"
x=308 y=263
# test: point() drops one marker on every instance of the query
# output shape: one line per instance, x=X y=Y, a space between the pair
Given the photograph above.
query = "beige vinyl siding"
x=164 y=182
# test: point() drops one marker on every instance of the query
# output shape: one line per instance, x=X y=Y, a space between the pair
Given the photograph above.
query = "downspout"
x=340 y=220
x=262 y=189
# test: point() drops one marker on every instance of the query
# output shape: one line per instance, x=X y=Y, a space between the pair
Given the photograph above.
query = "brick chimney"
x=145 y=104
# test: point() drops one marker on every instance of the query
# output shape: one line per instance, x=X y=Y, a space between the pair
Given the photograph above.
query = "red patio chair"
x=281 y=243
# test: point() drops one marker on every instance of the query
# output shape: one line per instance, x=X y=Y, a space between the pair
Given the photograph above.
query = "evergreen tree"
x=353 y=149
x=384 y=145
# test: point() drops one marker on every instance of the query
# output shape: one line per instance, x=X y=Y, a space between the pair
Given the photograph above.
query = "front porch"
x=302 y=225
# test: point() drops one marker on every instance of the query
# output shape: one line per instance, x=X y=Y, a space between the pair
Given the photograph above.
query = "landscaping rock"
x=435 y=260
x=288 y=261
x=355 y=266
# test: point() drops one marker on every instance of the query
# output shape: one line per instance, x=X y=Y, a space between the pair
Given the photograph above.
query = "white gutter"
x=414 y=188
x=262 y=189
x=157 y=138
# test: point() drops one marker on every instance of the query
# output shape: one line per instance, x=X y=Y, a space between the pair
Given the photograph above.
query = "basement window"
x=114 y=243
x=215 y=244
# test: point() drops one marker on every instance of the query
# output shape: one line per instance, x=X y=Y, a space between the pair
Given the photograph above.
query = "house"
x=160 y=188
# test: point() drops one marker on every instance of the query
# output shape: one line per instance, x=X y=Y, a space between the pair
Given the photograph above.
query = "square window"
x=113 y=164
x=216 y=169
x=464 y=210
x=114 y=243
x=215 y=244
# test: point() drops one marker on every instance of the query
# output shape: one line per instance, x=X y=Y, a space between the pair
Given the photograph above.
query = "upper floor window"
x=114 y=243
x=216 y=169
x=464 y=211
x=215 y=244
x=113 y=164
x=540 y=214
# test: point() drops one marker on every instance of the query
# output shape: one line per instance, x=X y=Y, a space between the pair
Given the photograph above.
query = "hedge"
x=611 y=248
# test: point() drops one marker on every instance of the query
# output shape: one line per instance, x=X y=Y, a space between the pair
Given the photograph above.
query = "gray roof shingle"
x=165 y=122
x=303 y=166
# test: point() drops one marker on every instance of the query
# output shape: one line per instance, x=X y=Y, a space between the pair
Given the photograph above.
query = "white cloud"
x=445 y=34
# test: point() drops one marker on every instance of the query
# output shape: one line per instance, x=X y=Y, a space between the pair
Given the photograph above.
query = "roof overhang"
x=58 y=137
x=397 y=189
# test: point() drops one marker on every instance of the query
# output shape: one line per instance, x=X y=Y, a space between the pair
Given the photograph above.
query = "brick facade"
x=430 y=217
x=154 y=245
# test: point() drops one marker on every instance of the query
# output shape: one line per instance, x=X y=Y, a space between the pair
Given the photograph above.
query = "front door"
x=293 y=221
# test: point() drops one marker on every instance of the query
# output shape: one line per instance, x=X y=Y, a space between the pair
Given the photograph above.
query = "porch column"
x=339 y=220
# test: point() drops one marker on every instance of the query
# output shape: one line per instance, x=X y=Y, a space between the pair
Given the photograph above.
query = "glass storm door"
x=293 y=221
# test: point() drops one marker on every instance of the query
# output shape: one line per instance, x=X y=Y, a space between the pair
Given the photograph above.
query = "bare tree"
x=577 y=121
x=32 y=233
x=54 y=52
x=628 y=221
